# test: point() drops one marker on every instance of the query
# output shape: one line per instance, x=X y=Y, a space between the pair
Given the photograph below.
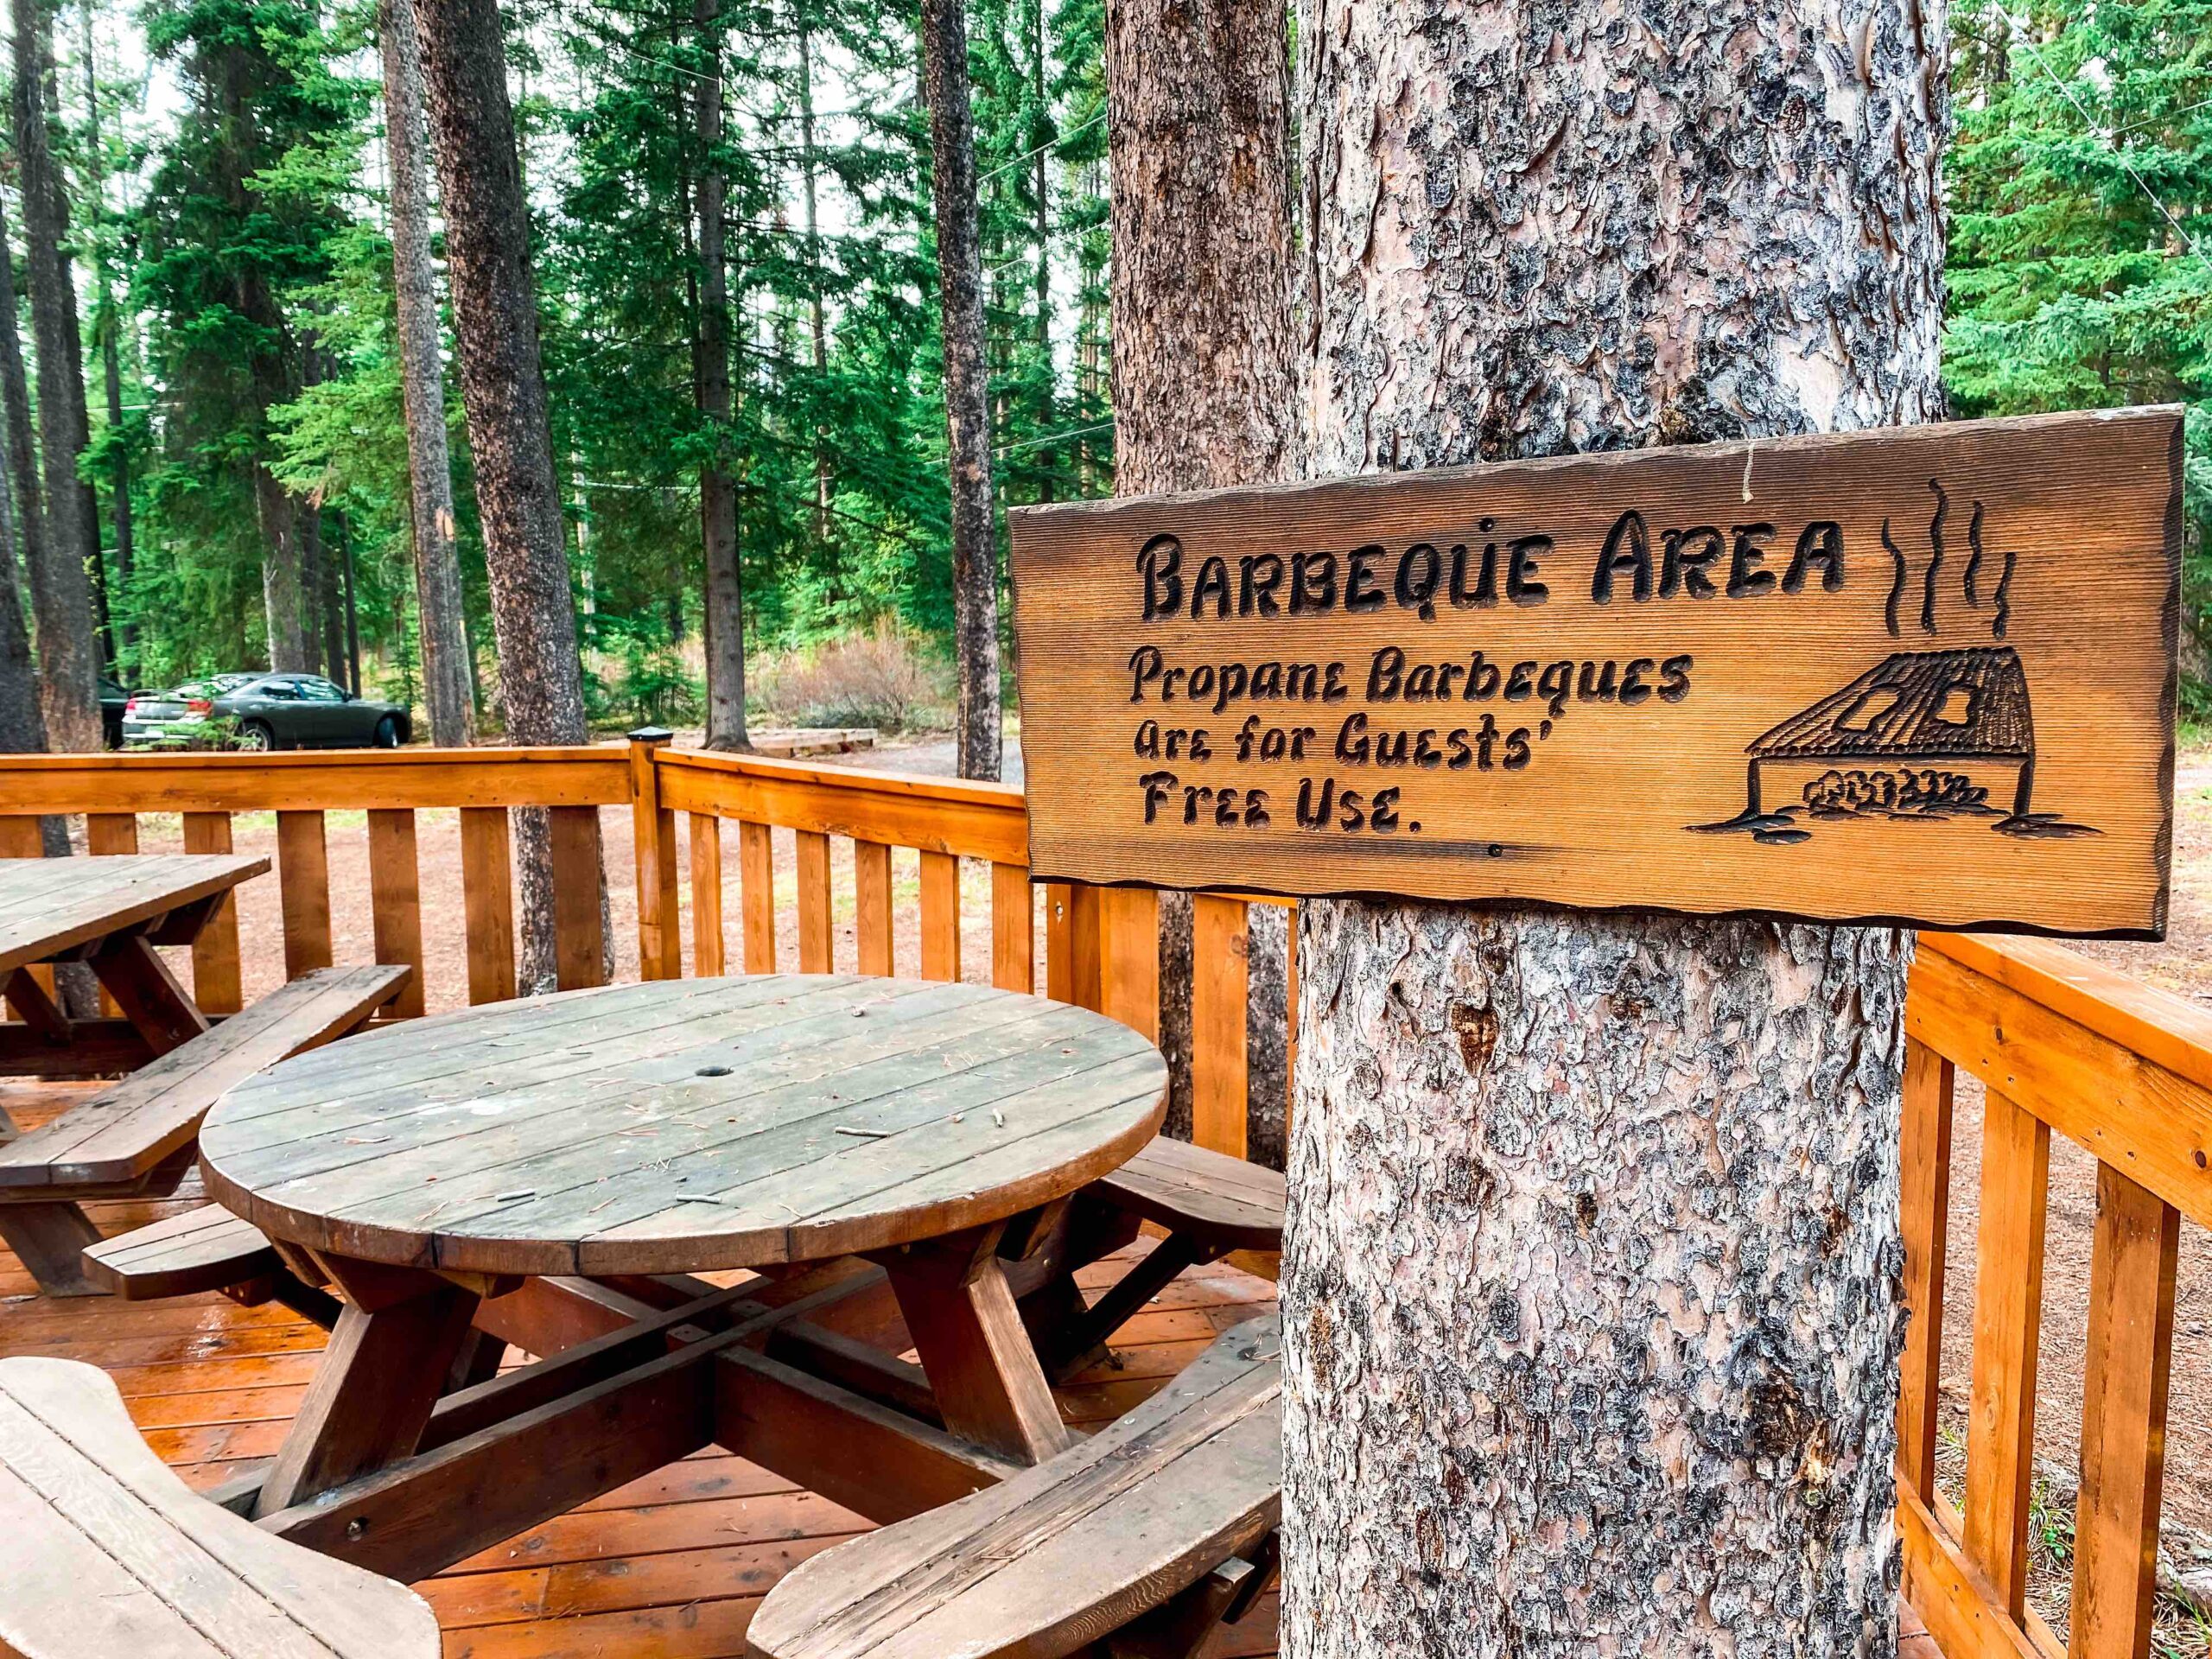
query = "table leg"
x=50 y=1239
x=149 y=995
x=372 y=1395
x=980 y=1366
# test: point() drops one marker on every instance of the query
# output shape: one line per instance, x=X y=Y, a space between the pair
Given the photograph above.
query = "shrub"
x=888 y=678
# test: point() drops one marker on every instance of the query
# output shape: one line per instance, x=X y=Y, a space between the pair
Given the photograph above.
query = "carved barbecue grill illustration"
x=1924 y=734
x=1915 y=709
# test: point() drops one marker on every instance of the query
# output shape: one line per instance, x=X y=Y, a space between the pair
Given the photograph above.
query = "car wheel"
x=255 y=734
x=387 y=736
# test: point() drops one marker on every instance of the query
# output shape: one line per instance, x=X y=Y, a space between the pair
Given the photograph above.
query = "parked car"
x=272 y=711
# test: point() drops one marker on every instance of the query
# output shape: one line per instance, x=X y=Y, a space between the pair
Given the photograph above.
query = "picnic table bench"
x=136 y=1137
x=1141 y=1539
x=111 y=1557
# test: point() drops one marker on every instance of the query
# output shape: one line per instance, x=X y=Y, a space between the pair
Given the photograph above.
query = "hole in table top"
x=713 y=1071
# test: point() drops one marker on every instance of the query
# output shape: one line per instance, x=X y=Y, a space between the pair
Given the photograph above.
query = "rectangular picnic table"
x=109 y=913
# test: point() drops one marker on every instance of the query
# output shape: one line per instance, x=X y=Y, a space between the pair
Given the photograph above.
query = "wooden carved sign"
x=1921 y=674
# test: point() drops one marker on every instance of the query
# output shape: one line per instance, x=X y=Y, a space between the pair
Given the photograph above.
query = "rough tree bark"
x=16 y=403
x=447 y=692
x=107 y=326
x=1590 y=1294
x=817 y=323
x=60 y=581
x=967 y=385
x=503 y=393
x=23 y=724
x=1203 y=358
x=717 y=489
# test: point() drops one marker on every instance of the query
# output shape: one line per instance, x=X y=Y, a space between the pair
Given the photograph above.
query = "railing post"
x=660 y=943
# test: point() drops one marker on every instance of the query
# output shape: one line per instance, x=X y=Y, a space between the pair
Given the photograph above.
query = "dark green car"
x=272 y=711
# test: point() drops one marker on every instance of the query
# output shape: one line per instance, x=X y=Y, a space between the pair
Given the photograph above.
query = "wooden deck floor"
x=671 y=1566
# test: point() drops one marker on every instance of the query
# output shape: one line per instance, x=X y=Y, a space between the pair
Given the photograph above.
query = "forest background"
x=224 y=225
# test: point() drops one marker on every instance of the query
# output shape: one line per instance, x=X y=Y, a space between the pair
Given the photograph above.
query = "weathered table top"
x=684 y=1124
x=50 y=906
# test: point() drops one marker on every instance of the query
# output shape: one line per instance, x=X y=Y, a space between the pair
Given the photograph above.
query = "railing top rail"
x=1003 y=797
x=594 y=775
x=2168 y=1031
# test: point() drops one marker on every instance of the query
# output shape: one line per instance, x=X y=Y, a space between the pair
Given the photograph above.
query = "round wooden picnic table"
x=684 y=1125
x=676 y=1126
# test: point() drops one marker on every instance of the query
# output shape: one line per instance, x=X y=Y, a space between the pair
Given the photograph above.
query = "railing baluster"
x=872 y=906
x=303 y=875
x=815 y=955
x=756 y=870
x=1924 y=1209
x=652 y=825
x=579 y=946
x=1219 y=988
x=707 y=959
x=216 y=984
x=1128 y=954
x=396 y=901
x=2129 y=1352
x=2007 y=1317
x=940 y=916
x=487 y=895
x=1013 y=929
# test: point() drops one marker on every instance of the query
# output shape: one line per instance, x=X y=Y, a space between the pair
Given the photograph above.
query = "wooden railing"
x=2060 y=1043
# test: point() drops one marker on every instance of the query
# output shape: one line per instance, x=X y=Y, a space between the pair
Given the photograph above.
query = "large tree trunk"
x=967 y=386
x=447 y=691
x=107 y=324
x=725 y=579
x=1590 y=1293
x=23 y=724
x=1198 y=147
x=61 y=587
x=503 y=392
x=22 y=447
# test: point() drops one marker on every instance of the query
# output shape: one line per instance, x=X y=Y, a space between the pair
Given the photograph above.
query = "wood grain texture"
x=487 y=894
x=872 y=913
x=113 y=1557
x=579 y=932
x=756 y=868
x=706 y=848
x=1187 y=1188
x=124 y=1131
x=2127 y=1363
x=980 y=1366
x=53 y=907
x=1062 y=1554
x=1128 y=957
x=1013 y=929
x=814 y=934
x=1924 y=1209
x=206 y=1248
x=2007 y=1320
x=216 y=984
x=348 y=780
x=1220 y=1091
x=1747 y=656
x=684 y=1125
x=396 y=902
x=940 y=916
x=303 y=875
